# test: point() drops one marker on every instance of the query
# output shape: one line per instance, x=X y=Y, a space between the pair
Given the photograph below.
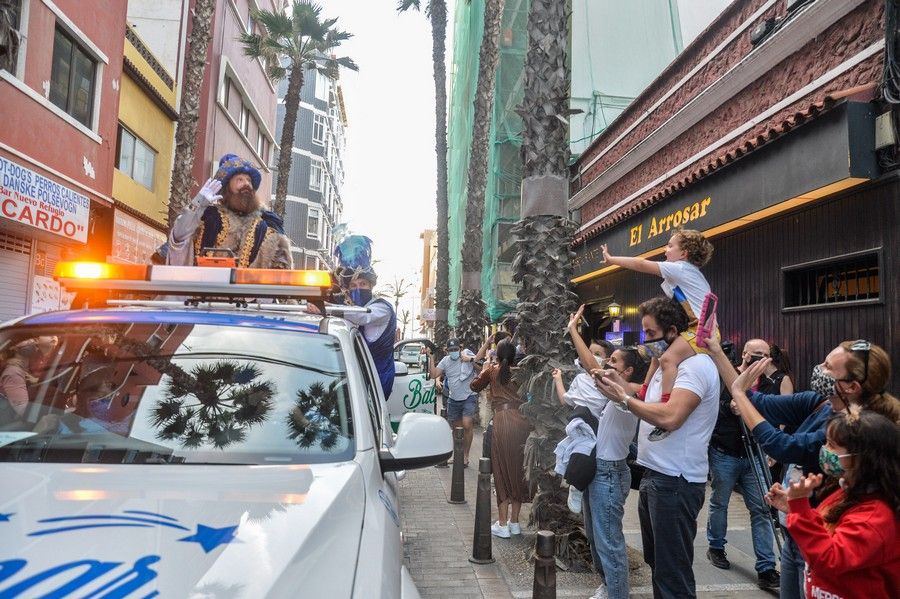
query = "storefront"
x=804 y=230
x=41 y=222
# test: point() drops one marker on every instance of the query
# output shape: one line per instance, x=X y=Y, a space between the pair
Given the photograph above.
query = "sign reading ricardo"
x=29 y=198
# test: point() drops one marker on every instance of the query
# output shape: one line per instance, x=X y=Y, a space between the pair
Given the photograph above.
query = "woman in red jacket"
x=850 y=542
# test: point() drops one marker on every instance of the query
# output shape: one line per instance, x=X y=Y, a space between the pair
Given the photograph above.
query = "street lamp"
x=614 y=309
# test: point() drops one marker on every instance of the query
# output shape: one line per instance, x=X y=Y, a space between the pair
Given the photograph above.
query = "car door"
x=380 y=551
x=413 y=390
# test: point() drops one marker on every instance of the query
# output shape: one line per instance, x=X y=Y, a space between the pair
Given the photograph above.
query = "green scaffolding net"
x=501 y=209
x=617 y=48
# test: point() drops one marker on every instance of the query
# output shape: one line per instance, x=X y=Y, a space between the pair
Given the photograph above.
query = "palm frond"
x=405 y=5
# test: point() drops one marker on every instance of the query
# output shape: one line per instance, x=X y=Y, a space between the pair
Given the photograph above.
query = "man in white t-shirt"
x=673 y=485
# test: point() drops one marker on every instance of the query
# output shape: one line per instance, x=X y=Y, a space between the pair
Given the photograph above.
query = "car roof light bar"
x=193 y=281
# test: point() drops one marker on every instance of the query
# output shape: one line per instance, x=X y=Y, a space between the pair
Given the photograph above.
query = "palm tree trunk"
x=291 y=107
x=543 y=264
x=470 y=306
x=442 y=285
x=189 y=113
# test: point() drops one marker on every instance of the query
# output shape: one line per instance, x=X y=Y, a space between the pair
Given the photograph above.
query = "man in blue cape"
x=357 y=278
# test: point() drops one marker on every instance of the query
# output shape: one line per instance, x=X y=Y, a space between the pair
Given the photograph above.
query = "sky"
x=389 y=189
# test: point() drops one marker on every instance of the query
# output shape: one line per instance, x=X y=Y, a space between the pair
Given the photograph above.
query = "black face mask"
x=753 y=359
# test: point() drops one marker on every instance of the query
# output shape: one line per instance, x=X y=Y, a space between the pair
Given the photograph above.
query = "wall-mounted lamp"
x=614 y=309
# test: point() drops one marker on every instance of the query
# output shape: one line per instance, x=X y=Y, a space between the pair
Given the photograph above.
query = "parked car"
x=209 y=449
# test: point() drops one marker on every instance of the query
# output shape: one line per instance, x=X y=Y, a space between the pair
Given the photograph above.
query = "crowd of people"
x=815 y=468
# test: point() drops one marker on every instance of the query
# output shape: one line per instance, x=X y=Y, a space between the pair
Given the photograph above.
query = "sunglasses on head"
x=863 y=347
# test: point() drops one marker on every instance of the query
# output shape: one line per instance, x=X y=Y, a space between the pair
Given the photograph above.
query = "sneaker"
x=769 y=580
x=600 y=593
x=658 y=434
x=717 y=558
x=500 y=531
x=514 y=528
x=574 y=501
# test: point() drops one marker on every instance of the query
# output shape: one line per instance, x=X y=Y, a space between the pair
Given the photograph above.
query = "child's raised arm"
x=637 y=264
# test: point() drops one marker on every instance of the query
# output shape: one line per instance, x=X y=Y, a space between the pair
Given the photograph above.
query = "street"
x=438 y=542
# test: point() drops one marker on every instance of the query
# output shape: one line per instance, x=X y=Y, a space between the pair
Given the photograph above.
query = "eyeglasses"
x=863 y=346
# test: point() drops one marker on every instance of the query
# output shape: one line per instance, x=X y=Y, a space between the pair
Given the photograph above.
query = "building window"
x=227 y=92
x=312 y=263
x=845 y=279
x=136 y=159
x=261 y=145
x=316 y=175
x=322 y=85
x=245 y=120
x=312 y=223
x=72 y=78
x=319 y=126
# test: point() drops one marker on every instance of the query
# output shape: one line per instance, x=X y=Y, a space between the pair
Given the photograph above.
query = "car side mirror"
x=400 y=369
x=422 y=440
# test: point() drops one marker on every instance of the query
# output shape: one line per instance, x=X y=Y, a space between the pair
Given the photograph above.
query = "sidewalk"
x=438 y=542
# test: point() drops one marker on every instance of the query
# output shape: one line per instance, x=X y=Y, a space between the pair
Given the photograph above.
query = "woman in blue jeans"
x=855 y=372
x=612 y=480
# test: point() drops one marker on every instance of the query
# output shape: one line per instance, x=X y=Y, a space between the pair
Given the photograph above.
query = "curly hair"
x=874 y=442
x=699 y=249
x=667 y=312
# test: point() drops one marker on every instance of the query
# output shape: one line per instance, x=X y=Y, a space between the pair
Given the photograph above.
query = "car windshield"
x=172 y=393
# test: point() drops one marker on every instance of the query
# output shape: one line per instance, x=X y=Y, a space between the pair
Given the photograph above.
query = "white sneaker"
x=574 y=501
x=500 y=531
x=600 y=593
x=514 y=528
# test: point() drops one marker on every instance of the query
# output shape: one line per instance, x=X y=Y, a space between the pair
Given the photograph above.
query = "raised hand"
x=556 y=374
x=574 y=318
x=804 y=487
x=746 y=379
x=606 y=254
x=209 y=193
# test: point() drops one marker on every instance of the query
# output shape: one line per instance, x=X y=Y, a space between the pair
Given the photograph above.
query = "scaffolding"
x=501 y=203
x=617 y=48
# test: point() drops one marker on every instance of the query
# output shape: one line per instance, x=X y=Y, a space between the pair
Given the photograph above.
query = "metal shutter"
x=15 y=261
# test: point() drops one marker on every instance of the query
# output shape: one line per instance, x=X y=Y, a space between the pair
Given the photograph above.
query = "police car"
x=172 y=436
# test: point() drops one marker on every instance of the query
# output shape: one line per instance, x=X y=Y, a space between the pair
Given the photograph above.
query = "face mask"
x=27 y=351
x=361 y=297
x=656 y=347
x=753 y=359
x=830 y=462
x=821 y=382
x=454 y=355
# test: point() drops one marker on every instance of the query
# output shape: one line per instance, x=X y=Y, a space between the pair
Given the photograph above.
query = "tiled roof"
x=753 y=140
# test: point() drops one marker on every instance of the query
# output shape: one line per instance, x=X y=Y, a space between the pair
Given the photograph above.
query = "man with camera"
x=730 y=465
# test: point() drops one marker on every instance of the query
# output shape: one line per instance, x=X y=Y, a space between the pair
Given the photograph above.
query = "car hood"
x=179 y=531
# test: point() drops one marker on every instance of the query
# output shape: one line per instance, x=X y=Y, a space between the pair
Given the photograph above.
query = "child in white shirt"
x=687 y=251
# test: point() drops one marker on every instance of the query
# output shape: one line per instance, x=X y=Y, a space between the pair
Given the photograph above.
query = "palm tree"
x=437 y=13
x=215 y=403
x=404 y=320
x=189 y=111
x=543 y=264
x=9 y=34
x=398 y=290
x=316 y=416
x=290 y=44
x=471 y=308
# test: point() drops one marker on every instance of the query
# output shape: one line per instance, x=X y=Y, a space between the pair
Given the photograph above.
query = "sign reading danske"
x=32 y=199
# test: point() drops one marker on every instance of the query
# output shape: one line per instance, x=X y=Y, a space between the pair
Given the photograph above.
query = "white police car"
x=217 y=449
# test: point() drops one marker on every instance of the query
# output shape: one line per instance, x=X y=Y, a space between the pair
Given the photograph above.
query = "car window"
x=172 y=393
x=373 y=403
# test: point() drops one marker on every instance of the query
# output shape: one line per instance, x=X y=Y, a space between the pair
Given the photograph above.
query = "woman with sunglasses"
x=854 y=372
x=851 y=541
